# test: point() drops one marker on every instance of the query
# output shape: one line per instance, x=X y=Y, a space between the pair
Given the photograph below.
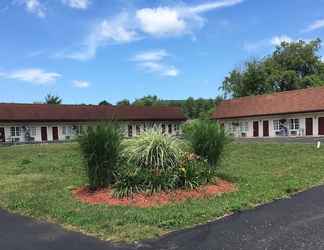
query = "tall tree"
x=124 y=102
x=150 y=100
x=294 y=65
x=52 y=99
x=104 y=102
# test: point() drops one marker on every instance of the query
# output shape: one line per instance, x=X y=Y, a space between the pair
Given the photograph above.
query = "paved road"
x=296 y=223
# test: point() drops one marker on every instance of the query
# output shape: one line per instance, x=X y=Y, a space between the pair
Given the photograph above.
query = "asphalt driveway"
x=295 y=223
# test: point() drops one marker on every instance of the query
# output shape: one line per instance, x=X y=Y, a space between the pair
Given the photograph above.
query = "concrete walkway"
x=296 y=223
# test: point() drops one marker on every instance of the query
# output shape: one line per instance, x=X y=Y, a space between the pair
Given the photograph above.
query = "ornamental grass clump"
x=207 y=139
x=154 y=150
x=100 y=147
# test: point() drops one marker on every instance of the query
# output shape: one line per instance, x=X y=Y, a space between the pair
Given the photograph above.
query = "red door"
x=265 y=128
x=255 y=128
x=55 y=134
x=44 y=133
x=309 y=126
x=321 y=125
x=2 y=135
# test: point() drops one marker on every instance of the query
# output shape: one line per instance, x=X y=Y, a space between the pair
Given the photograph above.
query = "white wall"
x=272 y=133
x=62 y=137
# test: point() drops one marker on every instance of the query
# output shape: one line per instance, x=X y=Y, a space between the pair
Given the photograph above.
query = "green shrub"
x=154 y=150
x=100 y=147
x=132 y=179
x=207 y=139
x=195 y=172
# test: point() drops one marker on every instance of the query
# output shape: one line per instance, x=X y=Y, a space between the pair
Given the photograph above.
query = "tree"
x=150 y=100
x=104 y=102
x=52 y=99
x=294 y=65
x=124 y=102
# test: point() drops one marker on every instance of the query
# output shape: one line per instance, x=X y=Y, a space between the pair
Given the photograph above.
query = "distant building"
x=46 y=123
x=295 y=113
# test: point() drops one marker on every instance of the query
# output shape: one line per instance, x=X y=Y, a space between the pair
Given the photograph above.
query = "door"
x=44 y=133
x=255 y=128
x=55 y=134
x=265 y=128
x=2 y=135
x=321 y=125
x=309 y=126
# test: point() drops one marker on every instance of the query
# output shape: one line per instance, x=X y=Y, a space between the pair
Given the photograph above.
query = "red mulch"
x=105 y=196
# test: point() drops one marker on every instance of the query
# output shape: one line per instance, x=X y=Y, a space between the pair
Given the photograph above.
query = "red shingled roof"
x=45 y=112
x=294 y=101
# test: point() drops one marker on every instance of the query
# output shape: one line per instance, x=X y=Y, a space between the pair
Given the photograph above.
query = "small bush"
x=100 y=147
x=207 y=139
x=154 y=150
x=132 y=179
x=195 y=172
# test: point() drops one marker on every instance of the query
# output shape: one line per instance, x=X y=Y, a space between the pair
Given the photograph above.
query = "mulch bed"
x=105 y=196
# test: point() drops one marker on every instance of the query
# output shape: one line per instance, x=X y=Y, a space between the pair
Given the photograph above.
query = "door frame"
x=256 y=129
x=320 y=130
x=56 y=137
x=265 y=128
x=3 y=134
x=312 y=127
x=44 y=134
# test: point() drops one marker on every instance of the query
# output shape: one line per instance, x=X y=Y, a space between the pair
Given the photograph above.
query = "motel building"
x=296 y=113
x=28 y=123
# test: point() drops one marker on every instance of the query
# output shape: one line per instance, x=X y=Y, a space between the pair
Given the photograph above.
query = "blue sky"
x=89 y=50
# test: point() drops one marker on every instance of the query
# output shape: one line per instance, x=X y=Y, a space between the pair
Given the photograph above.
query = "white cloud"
x=266 y=43
x=151 y=55
x=174 y=21
x=80 y=84
x=113 y=31
x=148 y=22
x=214 y=5
x=162 y=21
x=160 y=68
x=277 y=40
x=152 y=61
x=35 y=7
x=318 y=24
x=171 y=72
x=77 y=4
x=33 y=75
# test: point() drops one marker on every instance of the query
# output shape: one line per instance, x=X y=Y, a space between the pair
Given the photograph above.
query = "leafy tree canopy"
x=294 y=65
x=124 y=102
x=52 y=99
x=104 y=102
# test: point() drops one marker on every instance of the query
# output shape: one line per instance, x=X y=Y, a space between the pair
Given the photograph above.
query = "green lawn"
x=36 y=181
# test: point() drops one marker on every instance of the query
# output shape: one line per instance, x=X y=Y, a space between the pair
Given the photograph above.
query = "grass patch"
x=36 y=180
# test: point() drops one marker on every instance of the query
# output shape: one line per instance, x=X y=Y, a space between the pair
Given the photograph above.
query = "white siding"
x=62 y=137
x=272 y=133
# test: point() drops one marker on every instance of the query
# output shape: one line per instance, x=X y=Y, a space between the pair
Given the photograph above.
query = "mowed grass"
x=36 y=180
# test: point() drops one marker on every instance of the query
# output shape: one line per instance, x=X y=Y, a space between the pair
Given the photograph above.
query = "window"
x=130 y=130
x=33 y=131
x=294 y=124
x=138 y=130
x=78 y=129
x=176 y=129
x=170 y=128
x=67 y=130
x=244 y=126
x=15 y=131
x=163 y=128
x=276 y=124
